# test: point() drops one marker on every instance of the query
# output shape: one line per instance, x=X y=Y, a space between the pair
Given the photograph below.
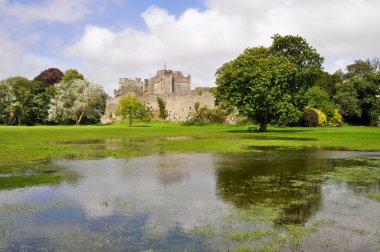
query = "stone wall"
x=172 y=86
x=180 y=106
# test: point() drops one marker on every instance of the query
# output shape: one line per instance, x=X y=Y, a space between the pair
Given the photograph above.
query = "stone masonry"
x=172 y=86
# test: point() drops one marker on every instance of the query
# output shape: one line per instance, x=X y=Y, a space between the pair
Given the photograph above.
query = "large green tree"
x=346 y=97
x=23 y=102
x=268 y=84
x=258 y=84
x=365 y=77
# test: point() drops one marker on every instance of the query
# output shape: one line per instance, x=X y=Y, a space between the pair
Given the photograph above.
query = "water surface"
x=281 y=199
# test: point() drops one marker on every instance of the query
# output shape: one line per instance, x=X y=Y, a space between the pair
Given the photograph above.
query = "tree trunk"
x=80 y=118
x=263 y=127
x=130 y=120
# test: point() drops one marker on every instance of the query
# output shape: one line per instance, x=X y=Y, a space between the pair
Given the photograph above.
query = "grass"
x=23 y=148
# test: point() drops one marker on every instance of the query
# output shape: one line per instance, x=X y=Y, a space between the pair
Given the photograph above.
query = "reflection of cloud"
x=117 y=187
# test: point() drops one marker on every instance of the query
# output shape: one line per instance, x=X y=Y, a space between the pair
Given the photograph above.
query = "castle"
x=172 y=86
x=165 y=82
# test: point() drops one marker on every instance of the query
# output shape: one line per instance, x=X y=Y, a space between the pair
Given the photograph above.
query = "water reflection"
x=157 y=201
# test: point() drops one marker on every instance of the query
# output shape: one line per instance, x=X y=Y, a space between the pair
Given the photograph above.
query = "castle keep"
x=172 y=86
x=165 y=82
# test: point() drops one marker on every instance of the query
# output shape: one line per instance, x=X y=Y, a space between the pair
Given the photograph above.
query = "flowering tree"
x=76 y=100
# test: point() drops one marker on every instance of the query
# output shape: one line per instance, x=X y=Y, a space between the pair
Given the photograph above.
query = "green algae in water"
x=375 y=196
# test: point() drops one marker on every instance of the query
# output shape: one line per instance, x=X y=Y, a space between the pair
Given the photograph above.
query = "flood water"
x=280 y=199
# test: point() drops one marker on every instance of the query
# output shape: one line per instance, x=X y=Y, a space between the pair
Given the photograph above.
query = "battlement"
x=165 y=82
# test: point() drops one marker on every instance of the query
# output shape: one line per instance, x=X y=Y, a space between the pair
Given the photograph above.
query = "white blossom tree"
x=76 y=100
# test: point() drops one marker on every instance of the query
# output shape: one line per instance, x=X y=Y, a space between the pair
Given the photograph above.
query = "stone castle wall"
x=180 y=106
x=172 y=86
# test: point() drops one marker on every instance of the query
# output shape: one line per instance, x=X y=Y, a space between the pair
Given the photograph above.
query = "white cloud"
x=64 y=11
x=15 y=61
x=198 y=42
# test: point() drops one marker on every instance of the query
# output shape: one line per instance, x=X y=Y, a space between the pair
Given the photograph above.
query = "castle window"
x=190 y=108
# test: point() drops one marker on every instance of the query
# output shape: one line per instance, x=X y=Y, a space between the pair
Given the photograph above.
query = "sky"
x=109 y=39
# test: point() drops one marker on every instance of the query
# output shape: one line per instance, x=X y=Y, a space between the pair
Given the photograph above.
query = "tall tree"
x=365 y=77
x=257 y=83
x=77 y=101
x=346 y=97
x=268 y=84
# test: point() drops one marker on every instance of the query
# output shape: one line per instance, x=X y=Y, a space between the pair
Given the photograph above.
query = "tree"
x=23 y=102
x=268 y=84
x=71 y=75
x=77 y=101
x=365 y=77
x=304 y=56
x=258 y=84
x=320 y=99
x=6 y=99
x=346 y=99
x=130 y=105
x=162 y=108
x=49 y=76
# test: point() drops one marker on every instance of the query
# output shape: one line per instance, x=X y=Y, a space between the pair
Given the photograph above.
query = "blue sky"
x=106 y=40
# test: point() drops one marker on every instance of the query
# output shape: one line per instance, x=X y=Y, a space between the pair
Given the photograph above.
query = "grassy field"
x=26 y=151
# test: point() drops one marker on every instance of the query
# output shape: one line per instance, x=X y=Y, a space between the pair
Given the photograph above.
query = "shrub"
x=336 y=120
x=193 y=122
x=311 y=118
x=314 y=117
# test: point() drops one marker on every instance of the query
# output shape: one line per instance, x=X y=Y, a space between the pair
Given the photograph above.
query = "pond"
x=272 y=199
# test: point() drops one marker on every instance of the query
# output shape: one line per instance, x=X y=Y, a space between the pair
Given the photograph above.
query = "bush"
x=314 y=117
x=336 y=120
x=193 y=122
x=311 y=118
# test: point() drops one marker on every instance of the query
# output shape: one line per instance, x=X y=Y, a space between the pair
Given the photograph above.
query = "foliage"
x=71 y=75
x=336 y=120
x=195 y=121
x=346 y=98
x=319 y=99
x=162 y=108
x=215 y=115
x=49 y=76
x=132 y=107
x=23 y=102
x=322 y=119
x=268 y=84
x=365 y=77
x=254 y=83
x=306 y=59
x=77 y=101
x=311 y=118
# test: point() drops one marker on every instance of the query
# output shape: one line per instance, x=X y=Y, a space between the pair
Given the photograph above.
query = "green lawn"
x=23 y=149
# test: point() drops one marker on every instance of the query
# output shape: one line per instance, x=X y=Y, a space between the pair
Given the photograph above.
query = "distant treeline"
x=52 y=97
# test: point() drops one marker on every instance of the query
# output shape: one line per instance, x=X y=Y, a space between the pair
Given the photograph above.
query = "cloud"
x=198 y=42
x=15 y=61
x=64 y=11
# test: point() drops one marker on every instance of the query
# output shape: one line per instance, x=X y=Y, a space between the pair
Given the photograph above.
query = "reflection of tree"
x=289 y=179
